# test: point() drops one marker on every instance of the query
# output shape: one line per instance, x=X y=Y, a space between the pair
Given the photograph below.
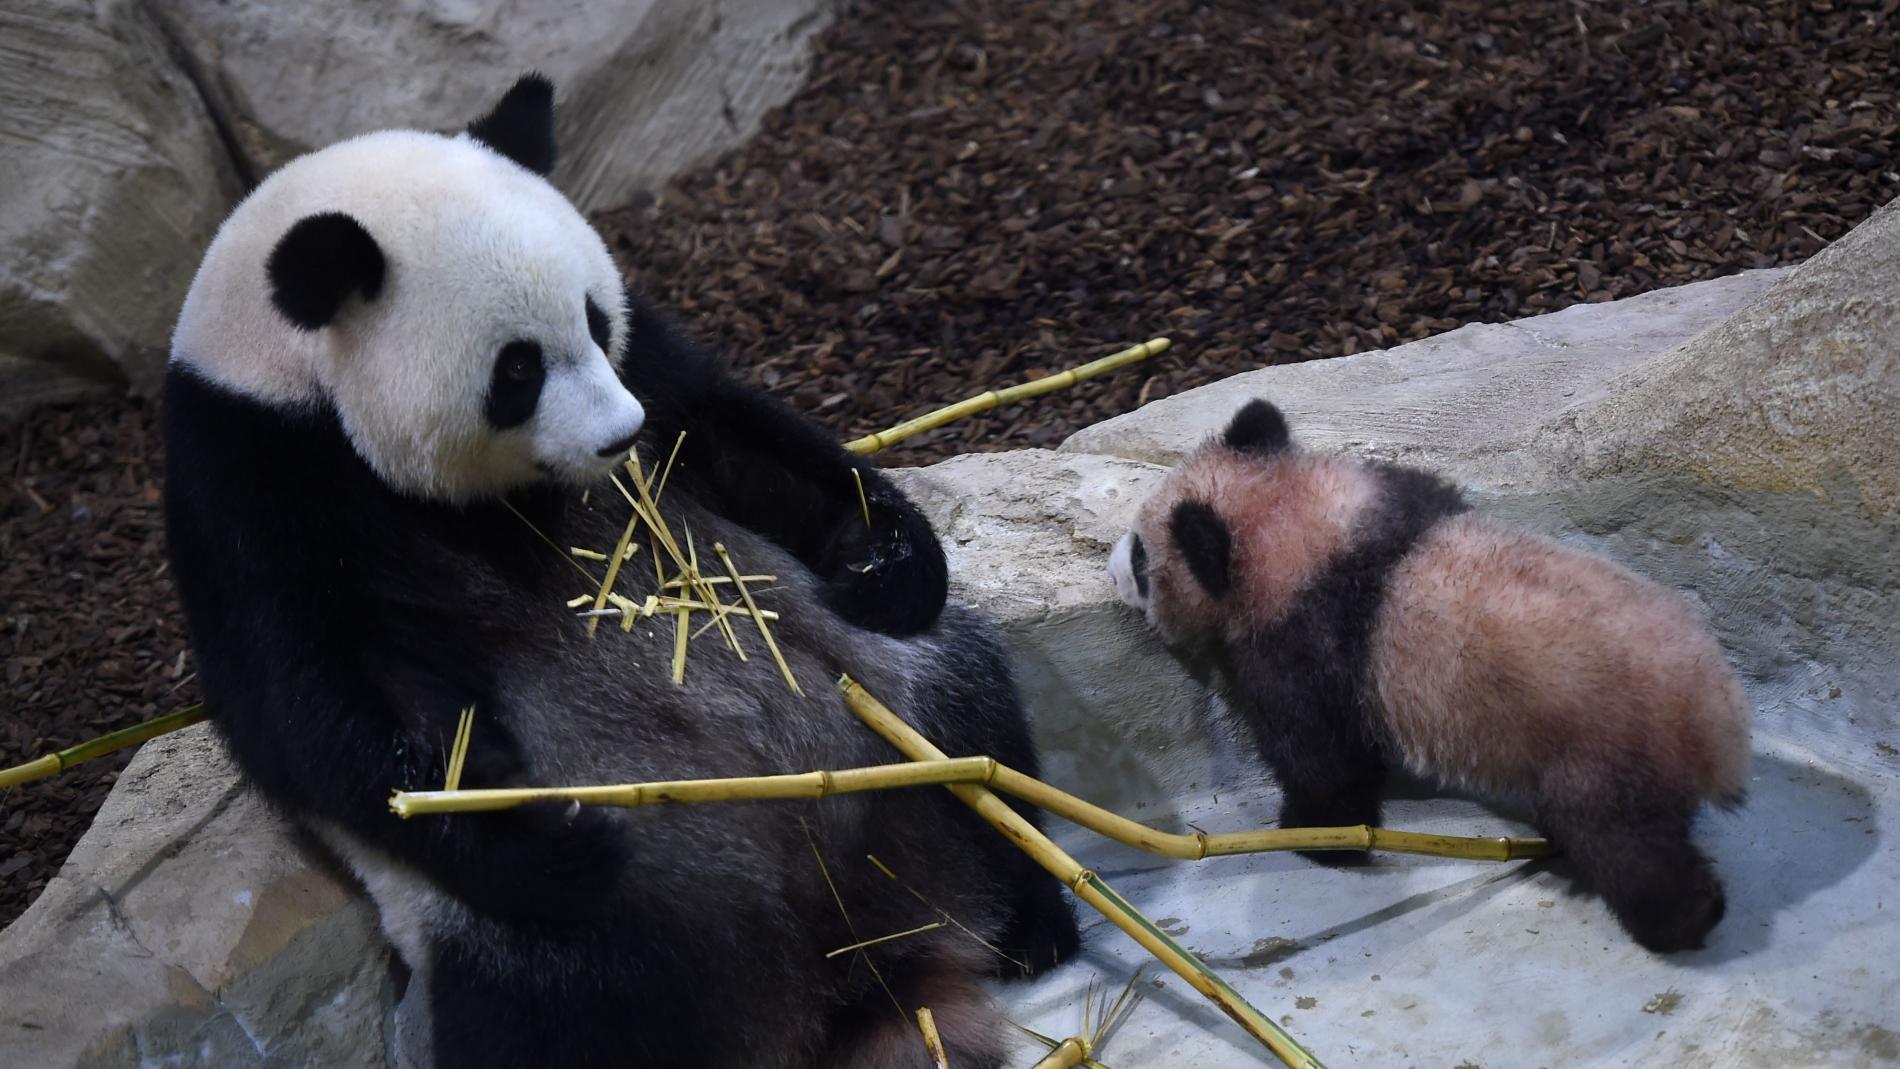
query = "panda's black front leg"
x=1311 y=736
x=758 y=462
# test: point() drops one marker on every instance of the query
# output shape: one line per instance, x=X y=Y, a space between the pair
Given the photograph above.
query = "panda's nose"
x=620 y=447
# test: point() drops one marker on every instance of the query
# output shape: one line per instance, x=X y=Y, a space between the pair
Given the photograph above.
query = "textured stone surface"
x=647 y=87
x=190 y=928
x=1472 y=397
x=112 y=181
x=1799 y=393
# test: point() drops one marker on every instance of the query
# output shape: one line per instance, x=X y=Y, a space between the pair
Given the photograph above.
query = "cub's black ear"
x=522 y=125
x=1257 y=428
x=318 y=263
x=1205 y=543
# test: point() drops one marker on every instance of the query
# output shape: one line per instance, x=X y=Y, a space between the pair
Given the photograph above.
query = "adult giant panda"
x=401 y=362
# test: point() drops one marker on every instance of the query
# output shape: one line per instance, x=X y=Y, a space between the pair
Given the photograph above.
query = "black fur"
x=761 y=464
x=318 y=263
x=521 y=126
x=1304 y=687
x=514 y=389
x=1257 y=428
x=1633 y=846
x=1205 y=543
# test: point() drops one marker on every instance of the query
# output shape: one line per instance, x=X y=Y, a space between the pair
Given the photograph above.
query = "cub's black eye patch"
x=1202 y=538
x=515 y=387
x=1138 y=563
x=598 y=327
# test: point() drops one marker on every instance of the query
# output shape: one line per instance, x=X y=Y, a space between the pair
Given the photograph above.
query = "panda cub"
x=1357 y=615
x=401 y=363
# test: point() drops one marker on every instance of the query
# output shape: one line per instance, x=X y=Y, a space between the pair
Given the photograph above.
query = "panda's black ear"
x=1204 y=542
x=318 y=263
x=521 y=126
x=1257 y=428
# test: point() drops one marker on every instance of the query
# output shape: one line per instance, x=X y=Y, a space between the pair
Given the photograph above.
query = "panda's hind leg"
x=1633 y=846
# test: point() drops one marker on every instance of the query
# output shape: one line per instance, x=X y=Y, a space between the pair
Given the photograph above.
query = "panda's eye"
x=1138 y=564
x=598 y=327
x=515 y=387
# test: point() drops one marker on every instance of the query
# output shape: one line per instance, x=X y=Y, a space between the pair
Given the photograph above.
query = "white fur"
x=1121 y=572
x=479 y=252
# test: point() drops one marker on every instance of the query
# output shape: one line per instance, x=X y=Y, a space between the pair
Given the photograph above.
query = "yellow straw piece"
x=660 y=491
x=983 y=402
x=575 y=603
x=586 y=554
x=613 y=570
x=757 y=616
x=682 y=621
x=59 y=761
x=919 y=930
x=863 y=502
x=933 y=1042
x=458 y=751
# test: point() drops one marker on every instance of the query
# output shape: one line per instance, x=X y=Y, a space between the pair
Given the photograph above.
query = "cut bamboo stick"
x=798 y=785
x=983 y=402
x=988 y=772
x=757 y=617
x=1067 y=1054
x=59 y=761
x=1085 y=884
x=933 y=1042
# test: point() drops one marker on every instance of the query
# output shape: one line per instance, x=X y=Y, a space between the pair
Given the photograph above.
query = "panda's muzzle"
x=619 y=447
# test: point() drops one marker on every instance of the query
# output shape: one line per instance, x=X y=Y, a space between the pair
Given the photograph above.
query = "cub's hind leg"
x=1632 y=845
x=873 y=1034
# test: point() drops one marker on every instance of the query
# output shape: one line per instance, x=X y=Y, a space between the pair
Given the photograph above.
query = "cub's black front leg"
x=759 y=463
x=1330 y=774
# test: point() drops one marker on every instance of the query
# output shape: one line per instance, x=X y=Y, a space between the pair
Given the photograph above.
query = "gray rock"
x=190 y=927
x=111 y=185
x=647 y=87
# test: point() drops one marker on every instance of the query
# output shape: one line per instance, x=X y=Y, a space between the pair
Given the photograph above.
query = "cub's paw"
x=889 y=576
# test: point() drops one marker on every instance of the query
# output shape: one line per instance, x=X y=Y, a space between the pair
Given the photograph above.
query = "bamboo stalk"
x=53 y=764
x=757 y=618
x=983 y=402
x=1085 y=884
x=988 y=772
x=933 y=1041
x=793 y=786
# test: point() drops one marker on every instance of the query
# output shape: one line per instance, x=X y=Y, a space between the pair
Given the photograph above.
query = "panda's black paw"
x=889 y=576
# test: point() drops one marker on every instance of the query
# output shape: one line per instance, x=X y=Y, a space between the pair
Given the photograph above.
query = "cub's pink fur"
x=1505 y=661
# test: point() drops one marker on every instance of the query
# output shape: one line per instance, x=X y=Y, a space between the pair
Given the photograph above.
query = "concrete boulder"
x=647 y=87
x=112 y=182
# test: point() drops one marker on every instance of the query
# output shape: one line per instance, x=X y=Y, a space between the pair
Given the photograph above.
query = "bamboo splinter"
x=1022 y=391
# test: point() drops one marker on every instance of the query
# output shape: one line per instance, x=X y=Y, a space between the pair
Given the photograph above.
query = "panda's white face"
x=1128 y=570
x=458 y=314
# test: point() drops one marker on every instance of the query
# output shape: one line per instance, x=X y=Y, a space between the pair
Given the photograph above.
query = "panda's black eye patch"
x=1138 y=564
x=515 y=388
x=597 y=326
